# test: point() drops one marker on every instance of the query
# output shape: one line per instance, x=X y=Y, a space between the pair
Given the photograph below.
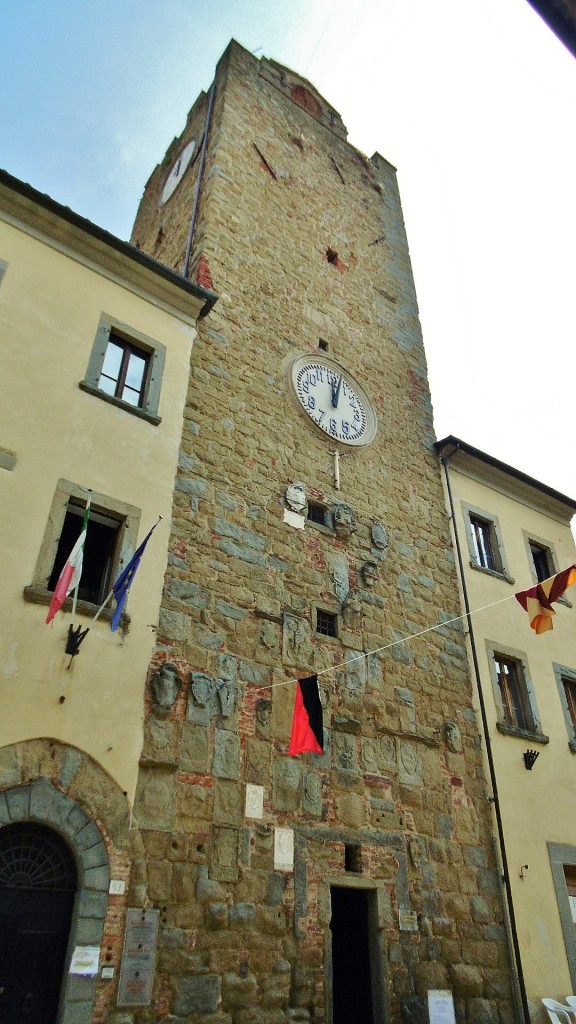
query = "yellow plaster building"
x=511 y=533
x=92 y=397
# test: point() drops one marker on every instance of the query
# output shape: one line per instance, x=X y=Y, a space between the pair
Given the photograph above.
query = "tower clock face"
x=333 y=400
x=177 y=172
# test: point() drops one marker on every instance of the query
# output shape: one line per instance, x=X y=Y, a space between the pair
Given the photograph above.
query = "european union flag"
x=124 y=581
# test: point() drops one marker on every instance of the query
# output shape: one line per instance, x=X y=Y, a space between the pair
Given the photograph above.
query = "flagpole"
x=76 y=588
x=111 y=594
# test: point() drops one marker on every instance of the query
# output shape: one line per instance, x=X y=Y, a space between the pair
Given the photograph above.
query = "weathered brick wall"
x=241 y=942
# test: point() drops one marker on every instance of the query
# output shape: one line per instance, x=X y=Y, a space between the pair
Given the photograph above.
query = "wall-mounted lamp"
x=529 y=758
x=523 y=869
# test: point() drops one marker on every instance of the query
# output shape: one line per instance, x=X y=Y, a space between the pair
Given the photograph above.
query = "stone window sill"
x=526 y=734
x=133 y=409
x=40 y=595
x=492 y=572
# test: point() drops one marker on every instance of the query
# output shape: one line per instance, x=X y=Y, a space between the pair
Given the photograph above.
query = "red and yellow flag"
x=537 y=601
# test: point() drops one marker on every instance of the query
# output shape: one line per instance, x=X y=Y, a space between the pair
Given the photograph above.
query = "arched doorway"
x=38 y=884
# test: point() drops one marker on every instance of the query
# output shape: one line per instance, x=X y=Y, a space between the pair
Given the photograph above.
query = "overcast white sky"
x=472 y=100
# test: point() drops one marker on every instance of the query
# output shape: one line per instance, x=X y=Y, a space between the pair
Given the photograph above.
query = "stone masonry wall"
x=396 y=804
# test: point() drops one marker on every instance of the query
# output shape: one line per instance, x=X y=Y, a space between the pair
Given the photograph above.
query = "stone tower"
x=342 y=885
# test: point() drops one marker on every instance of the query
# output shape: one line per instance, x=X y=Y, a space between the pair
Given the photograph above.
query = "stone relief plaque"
x=388 y=752
x=453 y=737
x=155 y=798
x=296 y=497
x=160 y=739
x=355 y=671
x=369 y=574
x=345 y=753
x=287 y=784
x=200 y=703
x=269 y=635
x=410 y=764
x=379 y=536
x=225 y=852
x=263 y=718
x=312 y=793
x=352 y=610
x=166 y=685
x=371 y=756
x=227 y=667
x=257 y=759
x=337 y=566
x=226 y=759
x=226 y=694
x=344 y=521
x=228 y=806
x=296 y=647
x=195 y=750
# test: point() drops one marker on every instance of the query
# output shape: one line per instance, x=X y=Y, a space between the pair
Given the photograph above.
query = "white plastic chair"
x=559 y=1013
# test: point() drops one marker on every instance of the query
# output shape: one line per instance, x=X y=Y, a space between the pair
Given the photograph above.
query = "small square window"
x=541 y=560
x=516 y=708
x=326 y=623
x=353 y=858
x=125 y=368
x=317 y=514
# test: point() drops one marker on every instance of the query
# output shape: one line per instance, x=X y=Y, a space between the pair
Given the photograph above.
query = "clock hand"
x=336 y=392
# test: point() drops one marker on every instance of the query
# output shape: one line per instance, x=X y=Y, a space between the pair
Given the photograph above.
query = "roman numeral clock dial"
x=333 y=400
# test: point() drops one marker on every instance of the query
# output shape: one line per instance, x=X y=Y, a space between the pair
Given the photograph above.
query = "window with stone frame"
x=516 y=708
x=514 y=696
x=566 y=684
x=100 y=559
x=111 y=539
x=125 y=368
x=563 y=866
x=484 y=541
x=542 y=561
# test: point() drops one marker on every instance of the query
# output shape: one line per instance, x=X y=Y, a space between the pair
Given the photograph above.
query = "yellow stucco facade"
x=522 y=520
x=58 y=281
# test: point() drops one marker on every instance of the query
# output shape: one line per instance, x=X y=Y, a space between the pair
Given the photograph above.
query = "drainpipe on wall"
x=517 y=972
x=199 y=182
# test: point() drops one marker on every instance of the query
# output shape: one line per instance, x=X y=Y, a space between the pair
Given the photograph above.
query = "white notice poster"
x=85 y=960
x=441 y=1007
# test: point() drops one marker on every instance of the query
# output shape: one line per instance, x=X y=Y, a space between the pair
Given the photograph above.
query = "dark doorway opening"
x=352 y=955
x=38 y=882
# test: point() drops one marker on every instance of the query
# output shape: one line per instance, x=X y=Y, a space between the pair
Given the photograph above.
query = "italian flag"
x=70 y=576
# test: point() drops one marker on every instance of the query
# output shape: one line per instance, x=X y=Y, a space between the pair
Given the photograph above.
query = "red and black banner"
x=307 y=723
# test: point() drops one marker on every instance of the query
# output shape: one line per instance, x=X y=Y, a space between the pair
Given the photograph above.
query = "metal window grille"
x=326 y=623
x=32 y=856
